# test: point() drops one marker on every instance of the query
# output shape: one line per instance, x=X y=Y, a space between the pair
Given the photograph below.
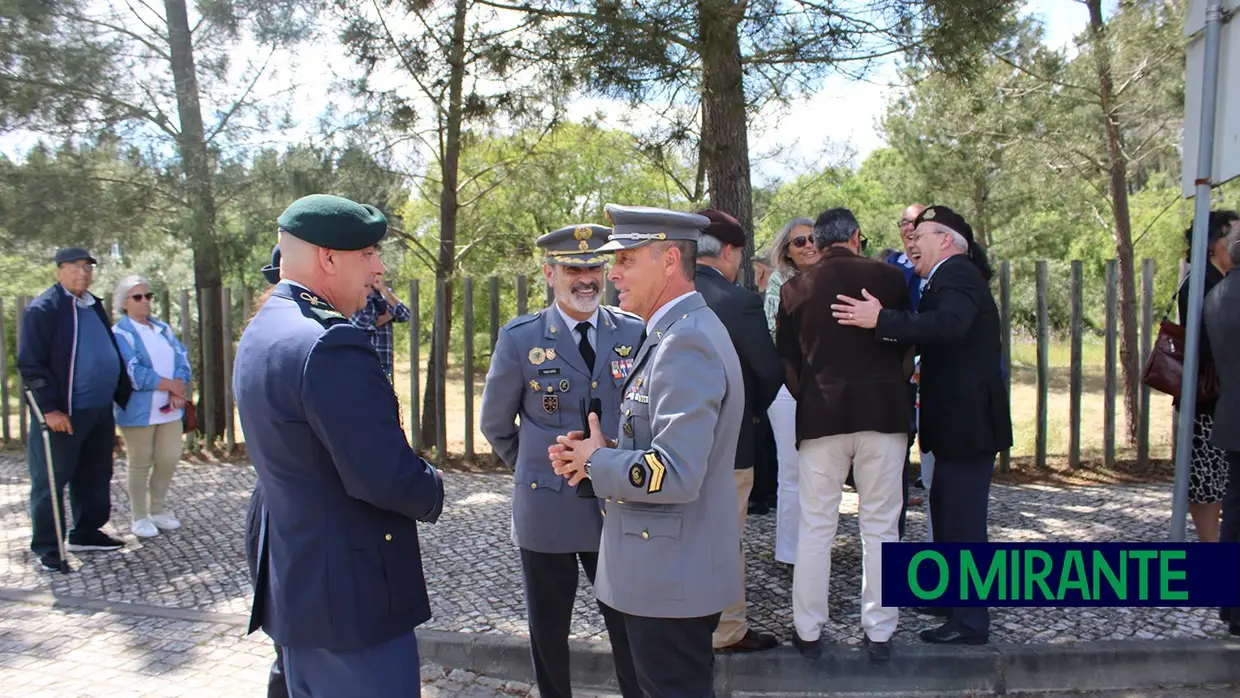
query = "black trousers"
x=550 y=581
x=765 y=462
x=82 y=461
x=1229 y=531
x=671 y=657
x=959 y=504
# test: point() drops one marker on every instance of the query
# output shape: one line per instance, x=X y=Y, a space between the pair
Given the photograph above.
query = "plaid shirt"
x=381 y=336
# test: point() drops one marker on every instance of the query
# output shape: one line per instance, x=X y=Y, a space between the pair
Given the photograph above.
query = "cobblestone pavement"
x=201 y=567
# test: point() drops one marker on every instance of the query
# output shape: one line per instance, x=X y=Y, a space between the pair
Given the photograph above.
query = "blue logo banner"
x=1061 y=574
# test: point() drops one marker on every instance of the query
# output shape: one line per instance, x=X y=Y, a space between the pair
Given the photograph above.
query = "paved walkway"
x=201 y=568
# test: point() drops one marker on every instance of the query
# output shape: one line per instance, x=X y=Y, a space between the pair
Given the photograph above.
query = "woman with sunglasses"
x=793 y=250
x=158 y=367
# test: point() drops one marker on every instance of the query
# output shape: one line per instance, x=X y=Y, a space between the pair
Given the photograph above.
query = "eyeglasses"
x=864 y=241
x=139 y=297
x=800 y=241
x=903 y=222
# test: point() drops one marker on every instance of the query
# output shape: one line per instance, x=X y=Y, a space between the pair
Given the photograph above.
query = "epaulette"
x=522 y=320
x=619 y=311
x=316 y=308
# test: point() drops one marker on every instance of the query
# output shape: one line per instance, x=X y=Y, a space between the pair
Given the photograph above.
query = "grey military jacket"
x=671 y=547
x=532 y=395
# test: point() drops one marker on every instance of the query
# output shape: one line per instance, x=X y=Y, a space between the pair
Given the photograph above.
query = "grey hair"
x=780 y=259
x=833 y=226
x=123 y=287
x=709 y=246
x=957 y=239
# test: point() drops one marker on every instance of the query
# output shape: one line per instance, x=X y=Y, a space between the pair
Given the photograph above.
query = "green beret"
x=333 y=222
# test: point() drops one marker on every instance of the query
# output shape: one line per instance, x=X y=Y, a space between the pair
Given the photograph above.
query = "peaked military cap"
x=271 y=272
x=635 y=226
x=946 y=217
x=575 y=245
x=333 y=222
x=724 y=227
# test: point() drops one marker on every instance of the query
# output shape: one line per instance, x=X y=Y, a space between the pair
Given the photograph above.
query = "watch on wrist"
x=587 y=468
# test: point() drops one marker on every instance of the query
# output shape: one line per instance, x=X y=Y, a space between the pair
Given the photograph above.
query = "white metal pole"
x=1197 y=273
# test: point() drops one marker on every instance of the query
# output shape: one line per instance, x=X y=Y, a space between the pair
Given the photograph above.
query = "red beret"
x=724 y=228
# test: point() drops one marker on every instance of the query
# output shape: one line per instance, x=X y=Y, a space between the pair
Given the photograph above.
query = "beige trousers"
x=878 y=464
x=732 y=627
x=153 y=456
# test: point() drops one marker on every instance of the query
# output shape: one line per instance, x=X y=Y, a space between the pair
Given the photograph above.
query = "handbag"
x=189 y=420
x=1164 y=367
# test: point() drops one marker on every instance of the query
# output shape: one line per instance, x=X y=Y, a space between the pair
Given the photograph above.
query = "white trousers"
x=783 y=416
x=877 y=461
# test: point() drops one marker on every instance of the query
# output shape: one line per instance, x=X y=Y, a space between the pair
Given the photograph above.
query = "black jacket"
x=1221 y=324
x=741 y=312
x=46 y=353
x=964 y=402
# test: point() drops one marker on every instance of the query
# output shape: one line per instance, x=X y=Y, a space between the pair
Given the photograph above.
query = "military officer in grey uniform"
x=670 y=559
x=544 y=365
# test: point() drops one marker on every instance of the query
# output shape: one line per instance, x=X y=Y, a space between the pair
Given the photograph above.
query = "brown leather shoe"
x=752 y=642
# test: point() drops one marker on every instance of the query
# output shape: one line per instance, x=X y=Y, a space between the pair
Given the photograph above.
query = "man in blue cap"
x=670 y=559
x=69 y=362
x=544 y=366
x=339 y=581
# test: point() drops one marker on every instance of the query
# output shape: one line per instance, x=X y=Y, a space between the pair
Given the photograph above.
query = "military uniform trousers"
x=388 y=669
x=550 y=582
x=959 y=505
x=671 y=657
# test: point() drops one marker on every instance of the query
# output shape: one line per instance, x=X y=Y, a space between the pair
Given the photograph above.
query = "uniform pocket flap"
x=539 y=479
x=651 y=524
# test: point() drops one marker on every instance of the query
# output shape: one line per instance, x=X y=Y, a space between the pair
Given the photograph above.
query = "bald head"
x=906 y=225
x=343 y=278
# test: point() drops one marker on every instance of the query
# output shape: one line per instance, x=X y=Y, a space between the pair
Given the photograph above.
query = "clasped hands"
x=570 y=452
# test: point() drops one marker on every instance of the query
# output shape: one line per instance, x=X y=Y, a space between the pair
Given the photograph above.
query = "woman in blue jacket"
x=158 y=367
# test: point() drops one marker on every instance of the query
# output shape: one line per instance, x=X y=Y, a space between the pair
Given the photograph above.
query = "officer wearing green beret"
x=338 y=579
x=544 y=365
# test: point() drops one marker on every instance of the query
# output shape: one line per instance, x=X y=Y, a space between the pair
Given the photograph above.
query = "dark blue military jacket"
x=339 y=566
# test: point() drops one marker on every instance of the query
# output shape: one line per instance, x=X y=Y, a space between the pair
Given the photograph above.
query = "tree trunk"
x=724 y=144
x=449 y=163
x=1117 y=167
x=191 y=142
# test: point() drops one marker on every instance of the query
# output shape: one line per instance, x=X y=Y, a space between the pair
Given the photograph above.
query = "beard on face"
x=584 y=296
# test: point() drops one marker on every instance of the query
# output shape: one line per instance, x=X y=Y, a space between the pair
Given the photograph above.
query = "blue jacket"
x=339 y=565
x=911 y=279
x=46 y=353
x=142 y=375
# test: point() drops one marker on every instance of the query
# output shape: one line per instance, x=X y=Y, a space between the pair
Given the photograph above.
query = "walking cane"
x=51 y=480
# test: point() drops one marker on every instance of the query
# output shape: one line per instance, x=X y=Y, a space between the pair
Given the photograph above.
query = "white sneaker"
x=167 y=522
x=145 y=528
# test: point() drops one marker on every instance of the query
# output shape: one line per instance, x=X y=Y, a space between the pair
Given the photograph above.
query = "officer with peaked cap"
x=339 y=581
x=965 y=418
x=670 y=560
x=544 y=365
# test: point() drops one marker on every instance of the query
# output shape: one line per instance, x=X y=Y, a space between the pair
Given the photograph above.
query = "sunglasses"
x=142 y=296
x=800 y=241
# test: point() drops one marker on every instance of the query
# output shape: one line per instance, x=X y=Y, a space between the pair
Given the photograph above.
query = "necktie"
x=640 y=341
x=587 y=351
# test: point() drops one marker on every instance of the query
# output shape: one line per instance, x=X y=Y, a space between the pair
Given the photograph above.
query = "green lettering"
x=1143 y=557
x=1073 y=565
x=1039 y=576
x=1015 y=593
x=971 y=577
x=1166 y=575
x=915 y=586
x=1102 y=568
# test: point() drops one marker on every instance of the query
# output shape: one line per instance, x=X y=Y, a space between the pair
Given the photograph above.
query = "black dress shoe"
x=878 y=651
x=753 y=641
x=936 y=611
x=952 y=634
x=808 y=648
